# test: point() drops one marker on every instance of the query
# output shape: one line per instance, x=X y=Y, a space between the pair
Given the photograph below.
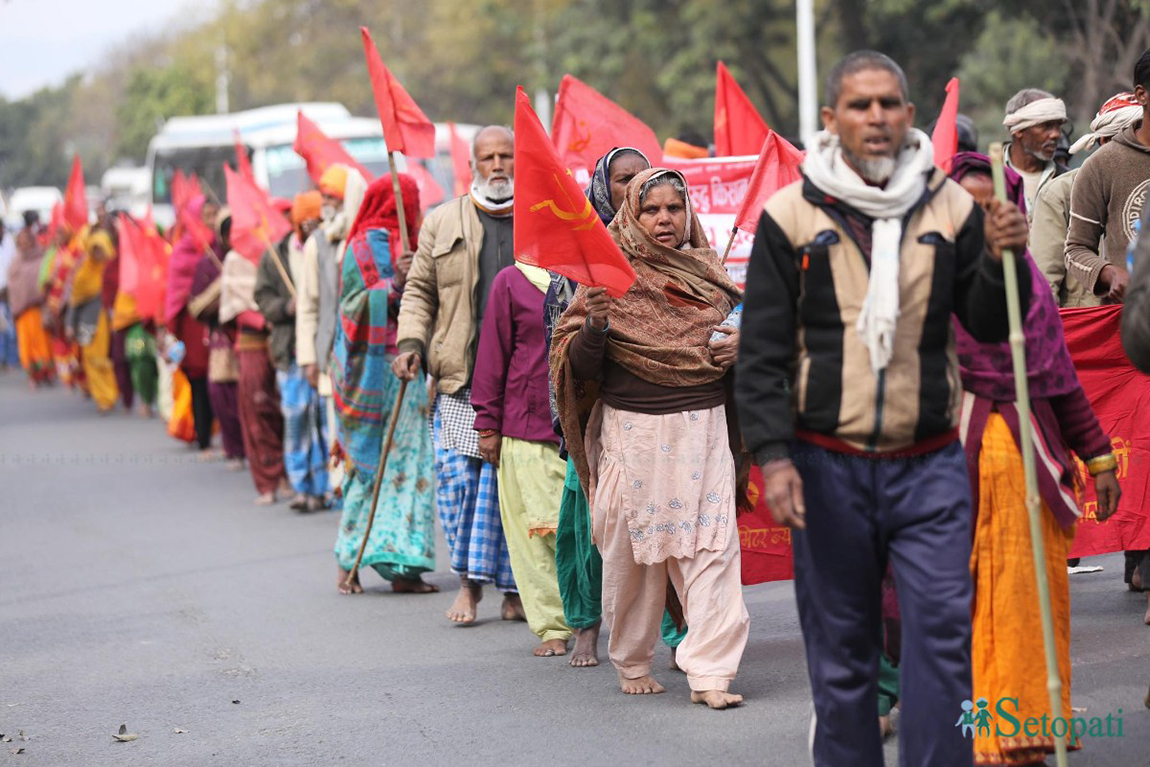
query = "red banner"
x=766 y=554
x=1120 y=396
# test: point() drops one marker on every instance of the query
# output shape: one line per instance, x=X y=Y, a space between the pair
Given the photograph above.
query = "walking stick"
x=1033 y=509
x=398 y=200
x=378 y=480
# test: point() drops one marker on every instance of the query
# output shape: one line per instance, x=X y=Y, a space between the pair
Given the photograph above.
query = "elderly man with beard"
x=1034 y=119
x=848 y=393
x=463 y=245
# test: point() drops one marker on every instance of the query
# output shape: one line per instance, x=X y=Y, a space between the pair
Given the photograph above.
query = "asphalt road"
x=139 y=586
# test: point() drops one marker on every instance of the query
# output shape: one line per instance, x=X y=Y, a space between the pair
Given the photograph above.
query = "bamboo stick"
x=1033 y=503
x=398 y=202
x=730 y=242
x=279 y=263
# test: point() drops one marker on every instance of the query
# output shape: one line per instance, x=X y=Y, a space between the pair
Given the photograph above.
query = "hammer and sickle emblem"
x=580 y=143
x=582 y=220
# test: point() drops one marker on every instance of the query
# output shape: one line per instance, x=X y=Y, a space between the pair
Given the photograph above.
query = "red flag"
x=319 y=151
x=243 y=164
x=739 y=130
x=129 y=252
x=945 y=136
x=555 y=226
x=430 y=192
x=154 y=253
x=76 y=198
x=778 y=166
x=460 y=161
x=256 y=224
x=54 y=223
x=587 y=125
x=405 y=127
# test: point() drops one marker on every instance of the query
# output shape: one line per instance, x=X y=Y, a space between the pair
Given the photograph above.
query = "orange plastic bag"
x=182 y=425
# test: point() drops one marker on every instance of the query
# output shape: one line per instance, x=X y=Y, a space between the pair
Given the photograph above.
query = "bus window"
x=205 y=162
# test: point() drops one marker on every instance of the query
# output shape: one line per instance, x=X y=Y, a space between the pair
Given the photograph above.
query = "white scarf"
x=825 y=167
x=1035 y=113
x=485 y=203
x=1106 y=126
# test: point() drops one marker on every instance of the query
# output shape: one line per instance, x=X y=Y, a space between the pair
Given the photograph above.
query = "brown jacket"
x=1108 y=195
x=437 y=315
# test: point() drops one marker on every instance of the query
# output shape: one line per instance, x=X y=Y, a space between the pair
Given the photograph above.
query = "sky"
x=44 y=41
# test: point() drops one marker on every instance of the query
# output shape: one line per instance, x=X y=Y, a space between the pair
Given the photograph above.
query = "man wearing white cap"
x=1108 y=198
x=1050 y=218
x=1034 y=119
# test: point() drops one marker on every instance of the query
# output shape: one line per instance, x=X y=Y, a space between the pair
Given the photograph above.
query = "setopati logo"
x=977 y=718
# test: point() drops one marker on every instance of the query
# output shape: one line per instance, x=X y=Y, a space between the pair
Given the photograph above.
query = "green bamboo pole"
x=1033 y=504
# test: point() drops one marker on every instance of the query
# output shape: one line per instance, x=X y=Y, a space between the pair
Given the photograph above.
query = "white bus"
x=202 y=144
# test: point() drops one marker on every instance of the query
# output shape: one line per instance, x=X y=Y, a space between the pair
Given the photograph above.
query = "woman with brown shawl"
x=641 y=391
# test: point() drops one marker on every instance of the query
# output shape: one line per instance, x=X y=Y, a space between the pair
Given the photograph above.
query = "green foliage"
x=1017 y=49
x=152 y=96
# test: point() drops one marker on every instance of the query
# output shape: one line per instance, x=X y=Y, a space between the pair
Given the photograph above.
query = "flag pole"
x=730 y=242
x=1033 y=503
x=378 y=480
x=398 y=201
x=278 y=262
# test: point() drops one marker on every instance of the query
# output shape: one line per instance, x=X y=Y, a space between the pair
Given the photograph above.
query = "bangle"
x=1101 y=463
x=594 y=329
x=488 y=432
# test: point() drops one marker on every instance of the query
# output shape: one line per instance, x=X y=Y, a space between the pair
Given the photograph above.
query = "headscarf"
x=88 y=282
x=1115 y=115
x=306 y=206
x=379 y=211
x=23 y=277
x=333 y=182
x=185 y=258
x=1035 y=113
x=987 y=369
x=599 y=190
x=354 y=188
x=662 y=326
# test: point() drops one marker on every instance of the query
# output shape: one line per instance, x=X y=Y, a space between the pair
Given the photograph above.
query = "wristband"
x=488 y=433
x=1101 y=463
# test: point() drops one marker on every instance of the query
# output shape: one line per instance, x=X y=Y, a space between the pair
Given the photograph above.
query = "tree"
x=152 y=96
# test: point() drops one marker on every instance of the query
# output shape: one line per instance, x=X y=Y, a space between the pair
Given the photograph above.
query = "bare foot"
x=413 y=586
x=586 y=652
x=716 y=699
x=644 y=685
x=551 y=648
x=265 y=499
x=284 y=486
x=316 y=503
x=462 y=610
x=207 y=454
x=298 y=502
x=346 y=585
x=674 y=665
x=513 y=607
x=234 y=464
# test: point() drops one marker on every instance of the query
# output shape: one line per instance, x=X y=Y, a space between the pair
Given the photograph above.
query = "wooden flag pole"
x=1033 y=502
x=378 y=480
x=279 y=263
x=730 y=242
x=398 y=201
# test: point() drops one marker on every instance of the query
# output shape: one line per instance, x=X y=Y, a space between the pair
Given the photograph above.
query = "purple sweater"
x=509 y=385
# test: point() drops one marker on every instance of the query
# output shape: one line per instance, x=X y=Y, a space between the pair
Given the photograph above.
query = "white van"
x=40 y=199
x=202 y=144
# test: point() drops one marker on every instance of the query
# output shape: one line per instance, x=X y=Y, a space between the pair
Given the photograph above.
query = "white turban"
x=1035 y=113
x=1113 y=118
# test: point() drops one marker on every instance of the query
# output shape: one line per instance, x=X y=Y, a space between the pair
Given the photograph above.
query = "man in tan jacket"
x=463 y=244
